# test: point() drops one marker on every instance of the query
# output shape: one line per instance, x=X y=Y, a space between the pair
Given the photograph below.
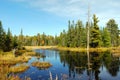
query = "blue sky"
x=51 y=16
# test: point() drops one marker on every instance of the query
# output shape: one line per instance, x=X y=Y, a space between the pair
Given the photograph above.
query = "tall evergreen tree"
x=2 y=37
x=79 y=33
x=8 y=40
x=106 y=38
x=63 y=39
x=69 y=39
x=38 y=39
x=72 y=35
x=95 y=33
x=21 y=41
x=114 y=32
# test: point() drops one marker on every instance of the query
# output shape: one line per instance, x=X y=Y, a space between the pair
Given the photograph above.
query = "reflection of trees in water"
x=111 y=63
x=96 y=63
x=75 y=61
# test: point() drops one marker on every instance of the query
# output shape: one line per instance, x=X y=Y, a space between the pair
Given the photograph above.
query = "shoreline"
x=39 y=47
x=101 y=49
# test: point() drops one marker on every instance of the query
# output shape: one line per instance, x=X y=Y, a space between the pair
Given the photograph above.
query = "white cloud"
x=104 y=9
x=66 y=8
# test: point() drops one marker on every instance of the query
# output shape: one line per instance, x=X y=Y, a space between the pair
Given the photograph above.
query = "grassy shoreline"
x=101 y=49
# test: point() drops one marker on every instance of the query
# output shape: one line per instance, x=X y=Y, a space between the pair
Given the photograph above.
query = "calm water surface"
x=73 y=66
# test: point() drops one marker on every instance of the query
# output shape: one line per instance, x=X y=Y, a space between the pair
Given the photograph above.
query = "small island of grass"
x=42 y=65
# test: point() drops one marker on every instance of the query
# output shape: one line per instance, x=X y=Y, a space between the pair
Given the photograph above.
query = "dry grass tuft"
x=43 y=65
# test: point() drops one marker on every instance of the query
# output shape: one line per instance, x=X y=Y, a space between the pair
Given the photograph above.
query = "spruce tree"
x=69 y=39
x=95 y=33
x=8 y=41
x=114 y=32
x=106 y=38
x=2 y=37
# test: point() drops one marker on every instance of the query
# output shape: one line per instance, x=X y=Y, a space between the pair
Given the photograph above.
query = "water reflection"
x=96 y=63
x=69 y=65
x=77 y=63
x=112 y=63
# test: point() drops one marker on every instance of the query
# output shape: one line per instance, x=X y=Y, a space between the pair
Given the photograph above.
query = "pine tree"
x=69 y=39
x=95 y=33
x=79 y=31
x=8 y=41
x=106 y=38
x=114 y=32
x=72 y=35
x=63 y=39
x=21 y=41
x=38 y=39
x=2 y=37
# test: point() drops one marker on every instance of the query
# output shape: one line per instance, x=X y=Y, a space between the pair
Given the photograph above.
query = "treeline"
x=6 y=40
x=38 y=40
x=75 y=36
x=9 y=42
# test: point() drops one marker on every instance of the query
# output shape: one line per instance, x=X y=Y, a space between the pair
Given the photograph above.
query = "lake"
x=68 y=65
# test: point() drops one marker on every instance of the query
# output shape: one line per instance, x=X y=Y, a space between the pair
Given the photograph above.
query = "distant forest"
x=75 y=36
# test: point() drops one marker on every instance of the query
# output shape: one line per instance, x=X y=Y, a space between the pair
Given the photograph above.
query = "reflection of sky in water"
x=63 y=72
x=56 y=69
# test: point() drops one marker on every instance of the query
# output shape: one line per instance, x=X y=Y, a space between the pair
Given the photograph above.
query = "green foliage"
x=114 y=32
x=2 y=37
x=21 y=39
x=39 y=40
x=8 y=41
x=75 y=36
x=95 y=33
x=14 y=42
x=106 y=38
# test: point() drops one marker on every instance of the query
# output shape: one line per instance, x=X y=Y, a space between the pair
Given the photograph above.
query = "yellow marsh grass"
x=13 y=60
x=39 y=47
x=115 y=49
x=10 y=59
x=102 y=49
x=29 y=53
x=83 y=49
x=19 y=68
x=41 y=64
x=5 y=70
